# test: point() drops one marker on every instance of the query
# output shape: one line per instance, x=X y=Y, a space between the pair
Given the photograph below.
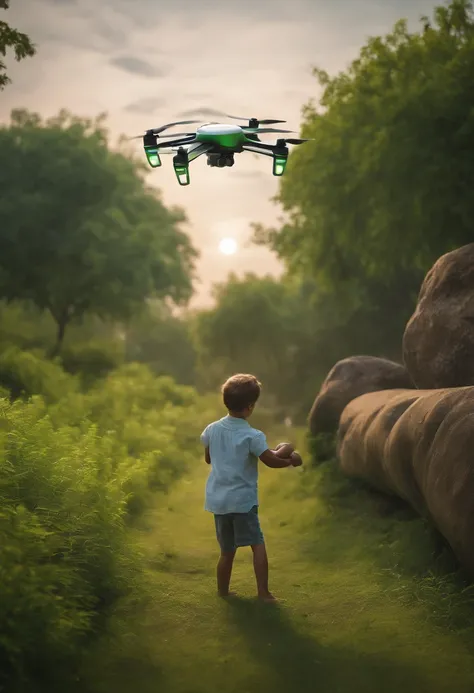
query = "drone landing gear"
x=151 y=150
x=183 y=158
x=279 y=165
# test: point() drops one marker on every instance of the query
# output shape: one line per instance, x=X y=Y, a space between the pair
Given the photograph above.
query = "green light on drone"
x=153 y=157
x=182 y=174
x=279 y=165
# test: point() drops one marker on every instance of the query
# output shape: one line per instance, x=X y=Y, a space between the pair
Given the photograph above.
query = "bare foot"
x=267 y=598
x=226 y=595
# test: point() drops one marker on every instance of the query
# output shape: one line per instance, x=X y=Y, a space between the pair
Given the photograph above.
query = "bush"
x=154 y=423
x=75 y=469
x=25 y=373
x=92 y=360
x=64 y=555
x=24 y=326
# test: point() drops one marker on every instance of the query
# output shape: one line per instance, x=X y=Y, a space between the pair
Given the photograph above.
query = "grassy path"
x=339 y=628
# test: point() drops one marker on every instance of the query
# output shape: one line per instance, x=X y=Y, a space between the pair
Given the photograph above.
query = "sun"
x=228 y=246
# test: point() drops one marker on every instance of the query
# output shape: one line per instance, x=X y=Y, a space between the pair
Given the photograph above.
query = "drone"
x=220 y=142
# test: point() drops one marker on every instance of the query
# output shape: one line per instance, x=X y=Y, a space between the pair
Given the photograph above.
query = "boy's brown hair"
x=241 y=391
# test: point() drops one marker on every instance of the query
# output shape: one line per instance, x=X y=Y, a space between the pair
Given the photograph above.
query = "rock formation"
x=347 y=380
x=417 y=445
x=438 y=344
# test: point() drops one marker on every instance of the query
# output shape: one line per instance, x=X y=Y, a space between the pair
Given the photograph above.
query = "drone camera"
x=220 y=160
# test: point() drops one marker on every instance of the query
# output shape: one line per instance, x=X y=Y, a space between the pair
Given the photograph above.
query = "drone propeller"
x=261 y=131
x=173 y=135
x=156 y=131
x=298 y=141
x=219 y=114
x=265 y=121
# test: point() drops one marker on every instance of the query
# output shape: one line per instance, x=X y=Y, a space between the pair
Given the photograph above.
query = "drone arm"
x=278 y=153
x=257 y=148
x=198 y=149
x=175 y=143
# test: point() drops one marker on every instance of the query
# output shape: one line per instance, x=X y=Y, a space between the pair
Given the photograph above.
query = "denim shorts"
x=238 y=529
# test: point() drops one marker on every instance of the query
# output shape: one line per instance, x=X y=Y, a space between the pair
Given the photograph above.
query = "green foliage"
x=241 y=333
x=385 y=187
x=256 y=326
x=82 y=233
x=76 y=469
x=24 y=326
x=372 y=196
x=92 y=360
x=289 y=335
x=64 y=554
x=12 y=39
x=154 y=423
x=24 y=373
x=162 y=340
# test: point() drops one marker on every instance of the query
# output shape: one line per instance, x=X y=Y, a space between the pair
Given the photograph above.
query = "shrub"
x=24 y=326
x=26 y=373
x=154 y=424
x=64 y=555
x=92 y=360
x=75 y=468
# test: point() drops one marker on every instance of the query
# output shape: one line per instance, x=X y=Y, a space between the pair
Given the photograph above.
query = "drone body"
x=219 y=141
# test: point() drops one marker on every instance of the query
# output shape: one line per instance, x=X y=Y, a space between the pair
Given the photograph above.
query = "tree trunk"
x=61 y=324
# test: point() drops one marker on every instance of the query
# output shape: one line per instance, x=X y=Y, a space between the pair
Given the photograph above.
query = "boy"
x=232 y=447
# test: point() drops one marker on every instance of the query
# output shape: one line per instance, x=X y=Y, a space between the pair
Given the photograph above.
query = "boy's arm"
x=205 y=442
x=273 y=460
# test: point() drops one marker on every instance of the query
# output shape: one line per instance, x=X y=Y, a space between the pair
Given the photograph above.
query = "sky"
x=148 y=62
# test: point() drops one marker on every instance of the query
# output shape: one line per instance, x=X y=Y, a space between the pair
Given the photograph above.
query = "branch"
x=11 y=38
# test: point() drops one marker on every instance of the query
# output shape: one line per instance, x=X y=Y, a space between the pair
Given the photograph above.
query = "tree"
x=262 y=326
x=386 y=187
x=11 y=38
x=290 y=335
x=162 y=340
x=80 y=230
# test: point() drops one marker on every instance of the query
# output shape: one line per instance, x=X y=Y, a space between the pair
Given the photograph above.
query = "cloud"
x=136 y=66
x=145 y=105
x=143 y=14
x=192 y=112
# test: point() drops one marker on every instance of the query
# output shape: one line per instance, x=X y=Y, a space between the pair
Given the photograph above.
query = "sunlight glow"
x=228 y=246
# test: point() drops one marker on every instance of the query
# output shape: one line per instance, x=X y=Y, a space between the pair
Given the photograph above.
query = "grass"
x=368 y=600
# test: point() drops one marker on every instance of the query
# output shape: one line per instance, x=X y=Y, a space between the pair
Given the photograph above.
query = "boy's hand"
x=296 y=460
x=284 y=450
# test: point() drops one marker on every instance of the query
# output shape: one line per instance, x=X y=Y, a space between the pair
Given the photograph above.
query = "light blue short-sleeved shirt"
x=234 y=447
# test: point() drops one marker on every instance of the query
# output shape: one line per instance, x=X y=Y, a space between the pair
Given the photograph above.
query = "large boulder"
x=438 y=344
x=348 y=379
x=417 y=445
